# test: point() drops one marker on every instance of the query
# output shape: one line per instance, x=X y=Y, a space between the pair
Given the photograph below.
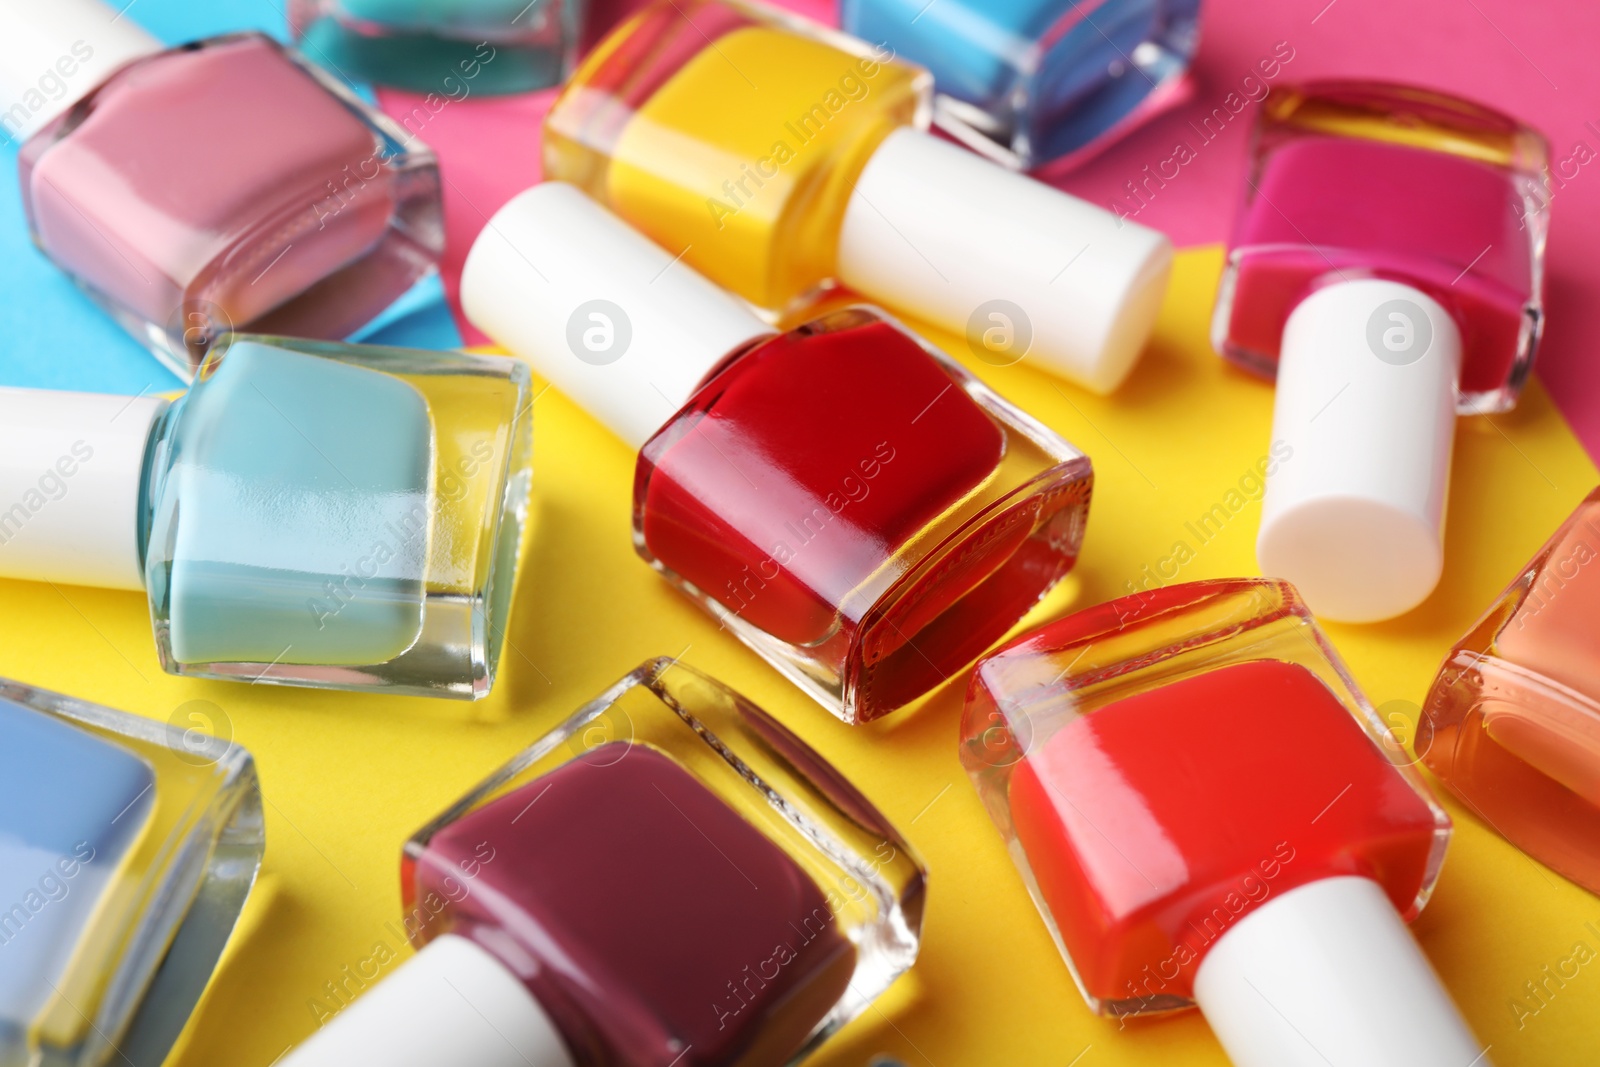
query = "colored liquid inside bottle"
x=1353 y=181
x=735 y=141
x=339 y=516
x=1040 y=78
x=223 y=185
x=650 y=920
x=1512 y=724
x=72 y=807
x=112 y=836
x=1154 y=823
x=840 y=491
x=306 y=489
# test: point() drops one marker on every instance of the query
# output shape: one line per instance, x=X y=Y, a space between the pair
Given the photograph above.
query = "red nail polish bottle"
x=850 y=503
x=1201 y=804
x=668 y=879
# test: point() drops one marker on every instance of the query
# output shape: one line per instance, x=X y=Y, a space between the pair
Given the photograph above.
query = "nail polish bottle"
x=310 y=513
x=1035 y=82
x=1512 y=723
x=1199 y=801
x=488 y=46
x=127 y=848
x=854 y=506
x=669 y=877
x=779 y=158
x=222 y=184
x=1386 y=269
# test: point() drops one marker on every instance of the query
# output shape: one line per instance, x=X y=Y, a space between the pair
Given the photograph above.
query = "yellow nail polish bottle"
x=780 y=158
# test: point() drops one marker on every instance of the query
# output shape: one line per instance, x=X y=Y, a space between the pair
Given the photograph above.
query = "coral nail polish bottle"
x=310 y=513
x=1195 y=794
x=127 y=849
x=1512 y=723
x=855 y=507
x=495 y=46
x=779 y=158
x=669 y=877
x=1387 y=269
x=1035 y=82
x=222 y=184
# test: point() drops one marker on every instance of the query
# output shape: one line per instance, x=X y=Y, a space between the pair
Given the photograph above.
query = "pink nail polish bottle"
x=1386 y=269
x=225 y=183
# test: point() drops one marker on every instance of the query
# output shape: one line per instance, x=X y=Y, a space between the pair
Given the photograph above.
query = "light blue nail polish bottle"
x=1038 y=82
x=127 y=849
x=340 y=516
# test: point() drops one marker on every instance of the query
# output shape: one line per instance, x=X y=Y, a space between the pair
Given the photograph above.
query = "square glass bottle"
x=1512 y=722
x=889 y=516
x=844 y=498
x=780 y=158
x=127 y=849
x=309 y=513
x=223 y=184
x=491 y=46
x=1354 y=179
x=669 y=877
x=1388 y=254
x=1204 y=807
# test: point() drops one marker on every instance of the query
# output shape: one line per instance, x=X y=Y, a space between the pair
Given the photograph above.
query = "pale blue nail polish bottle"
x=127 y=848
x=1036 y=82
x=331 y=515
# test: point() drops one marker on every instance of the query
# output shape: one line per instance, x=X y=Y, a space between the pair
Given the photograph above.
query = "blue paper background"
x=53 y=337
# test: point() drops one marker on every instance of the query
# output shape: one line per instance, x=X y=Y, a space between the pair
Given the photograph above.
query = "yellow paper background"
x=347 y=778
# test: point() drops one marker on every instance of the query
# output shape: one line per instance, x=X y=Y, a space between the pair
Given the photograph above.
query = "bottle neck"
x=601 y=312
x=936 y=233
x=1365 y=407
x=74 y=470
x=1328 y=973
x=54 y=54
x=453 y=1002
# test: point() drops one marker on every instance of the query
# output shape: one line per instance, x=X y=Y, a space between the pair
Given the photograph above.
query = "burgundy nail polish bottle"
x=668 y=878
x=846 y=500
x=225 y=183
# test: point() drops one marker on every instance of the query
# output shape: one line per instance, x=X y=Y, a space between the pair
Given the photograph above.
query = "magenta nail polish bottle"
x=1387 y=273
x=668 y=879
x=225 y=183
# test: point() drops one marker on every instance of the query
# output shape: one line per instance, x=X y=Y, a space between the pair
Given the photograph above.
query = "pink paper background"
x=1535 y=60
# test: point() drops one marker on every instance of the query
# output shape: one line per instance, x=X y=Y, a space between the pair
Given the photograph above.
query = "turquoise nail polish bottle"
x=450 y=48
x=319 y=514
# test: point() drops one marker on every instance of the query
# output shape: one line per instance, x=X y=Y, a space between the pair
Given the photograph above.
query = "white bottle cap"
x=71 y=468
x=450 y=1003
x=598 y=309
x=1328 y=973
x=1366 y=408
x=942 y=235
x=52 y=53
